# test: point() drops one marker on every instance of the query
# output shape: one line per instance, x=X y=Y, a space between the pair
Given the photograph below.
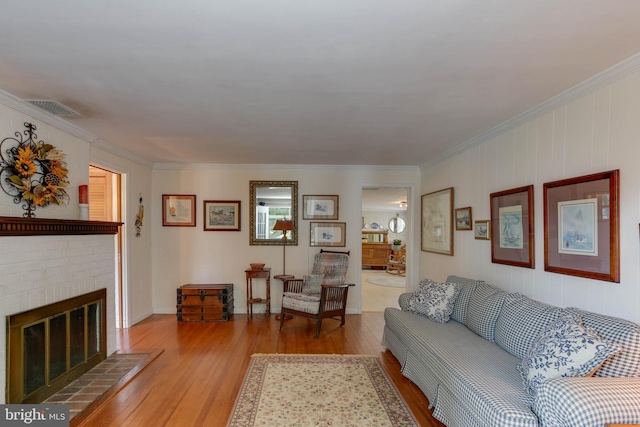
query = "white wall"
x=184 y=255
x=597 y=132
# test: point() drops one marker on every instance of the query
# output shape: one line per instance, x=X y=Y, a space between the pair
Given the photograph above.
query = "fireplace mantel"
x=15 y=226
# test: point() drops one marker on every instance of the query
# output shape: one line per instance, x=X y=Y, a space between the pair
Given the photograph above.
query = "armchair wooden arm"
x=293 y=285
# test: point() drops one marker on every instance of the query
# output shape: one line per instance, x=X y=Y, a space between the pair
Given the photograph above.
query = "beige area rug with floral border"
x=318 y=390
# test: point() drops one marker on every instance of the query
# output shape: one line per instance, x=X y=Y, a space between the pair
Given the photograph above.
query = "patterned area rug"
x=318 y=390
x=388 y=280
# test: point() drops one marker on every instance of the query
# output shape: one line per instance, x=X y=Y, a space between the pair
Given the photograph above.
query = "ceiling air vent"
x=53 y=107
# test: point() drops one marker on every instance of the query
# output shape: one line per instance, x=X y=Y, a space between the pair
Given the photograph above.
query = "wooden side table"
x=251 y=274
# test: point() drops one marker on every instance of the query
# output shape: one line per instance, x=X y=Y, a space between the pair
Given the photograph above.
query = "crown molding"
x=598 y=81
x=63 y=125
x=110 y=148
x=182 y=166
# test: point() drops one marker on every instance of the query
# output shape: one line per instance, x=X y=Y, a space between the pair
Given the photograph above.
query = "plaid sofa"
x=467 y=367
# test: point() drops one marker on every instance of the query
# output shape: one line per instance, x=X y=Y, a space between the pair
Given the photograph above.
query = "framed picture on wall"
x=512 y=222
x=581 y=226
x=328 y=234
x=437 y=222
x=178 y=210
x=463 y=219
x=221 y=215
x=320 y=207
x=482 y=229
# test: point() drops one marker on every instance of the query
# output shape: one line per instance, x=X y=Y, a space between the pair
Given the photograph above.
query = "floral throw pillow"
x=564 y=349
x=434 y=300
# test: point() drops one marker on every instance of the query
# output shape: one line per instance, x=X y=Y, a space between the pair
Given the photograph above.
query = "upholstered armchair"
x=321 y=294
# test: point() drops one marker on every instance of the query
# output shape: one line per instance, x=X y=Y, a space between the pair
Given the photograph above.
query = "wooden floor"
x=196 y=378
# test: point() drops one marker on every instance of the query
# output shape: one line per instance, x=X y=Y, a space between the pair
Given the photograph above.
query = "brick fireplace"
x=49 y=263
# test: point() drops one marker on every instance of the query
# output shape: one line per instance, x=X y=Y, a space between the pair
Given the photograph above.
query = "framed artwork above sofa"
x=581 y=226
x=512 y=222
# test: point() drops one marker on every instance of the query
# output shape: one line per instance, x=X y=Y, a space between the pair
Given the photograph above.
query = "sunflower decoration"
x=32 y=172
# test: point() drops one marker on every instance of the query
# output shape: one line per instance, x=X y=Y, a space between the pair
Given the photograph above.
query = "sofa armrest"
x=579 y=401
x=403 y=300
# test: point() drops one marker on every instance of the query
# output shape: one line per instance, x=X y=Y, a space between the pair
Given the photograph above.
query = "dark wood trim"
x=16 y=226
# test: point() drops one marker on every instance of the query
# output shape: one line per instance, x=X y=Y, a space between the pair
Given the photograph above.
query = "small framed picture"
x=481 y=229
x=463 y=219
x=221 y=215
x=178 y=210
x=328 y=234
x=320 y=207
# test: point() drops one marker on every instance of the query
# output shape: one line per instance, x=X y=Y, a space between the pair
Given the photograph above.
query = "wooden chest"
x=205 y=303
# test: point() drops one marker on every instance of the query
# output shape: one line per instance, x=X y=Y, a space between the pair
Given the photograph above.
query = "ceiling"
x=355 y=82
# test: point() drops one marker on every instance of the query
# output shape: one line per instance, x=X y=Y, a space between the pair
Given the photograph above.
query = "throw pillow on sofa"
x=484 y=308
x=434 y=300
x=564 y=349
x=521 y=322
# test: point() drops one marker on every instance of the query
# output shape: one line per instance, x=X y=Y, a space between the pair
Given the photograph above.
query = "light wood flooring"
x=196 y=378
x=375 y=298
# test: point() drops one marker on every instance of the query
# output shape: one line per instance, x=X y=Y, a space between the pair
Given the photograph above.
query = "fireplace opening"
x=50 y=346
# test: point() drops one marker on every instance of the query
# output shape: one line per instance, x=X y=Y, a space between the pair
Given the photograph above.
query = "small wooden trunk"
x=205 y=303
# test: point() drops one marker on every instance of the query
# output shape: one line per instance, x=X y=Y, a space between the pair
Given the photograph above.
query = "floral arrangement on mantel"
x=32 y=172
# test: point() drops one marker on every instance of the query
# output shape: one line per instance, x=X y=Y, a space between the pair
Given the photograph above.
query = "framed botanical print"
x=581 y=226
x=512 y=223
x=437 y=222
x=178 y=210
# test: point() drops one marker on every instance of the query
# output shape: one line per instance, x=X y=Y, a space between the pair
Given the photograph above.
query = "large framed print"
x=581 y=226
x=437 y=222
x=178 y=210
x=512 y=227
x=328 y=234
x=221 y=215
x=320 y=207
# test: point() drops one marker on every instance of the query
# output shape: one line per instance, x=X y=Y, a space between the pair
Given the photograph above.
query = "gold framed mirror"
x=270 y=201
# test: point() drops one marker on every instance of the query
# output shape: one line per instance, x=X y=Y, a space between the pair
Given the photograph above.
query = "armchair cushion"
x=301 y=302
x=332 y=265
x=312 y=284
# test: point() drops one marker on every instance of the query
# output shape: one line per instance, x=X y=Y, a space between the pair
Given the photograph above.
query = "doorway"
x=105 y=204
x=382 y=209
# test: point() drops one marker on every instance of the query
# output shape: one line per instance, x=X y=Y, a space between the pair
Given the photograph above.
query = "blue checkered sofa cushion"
x=617 y=331
x=588 y=402
x=461 y=305
x=521 y=321
x=484 y=308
